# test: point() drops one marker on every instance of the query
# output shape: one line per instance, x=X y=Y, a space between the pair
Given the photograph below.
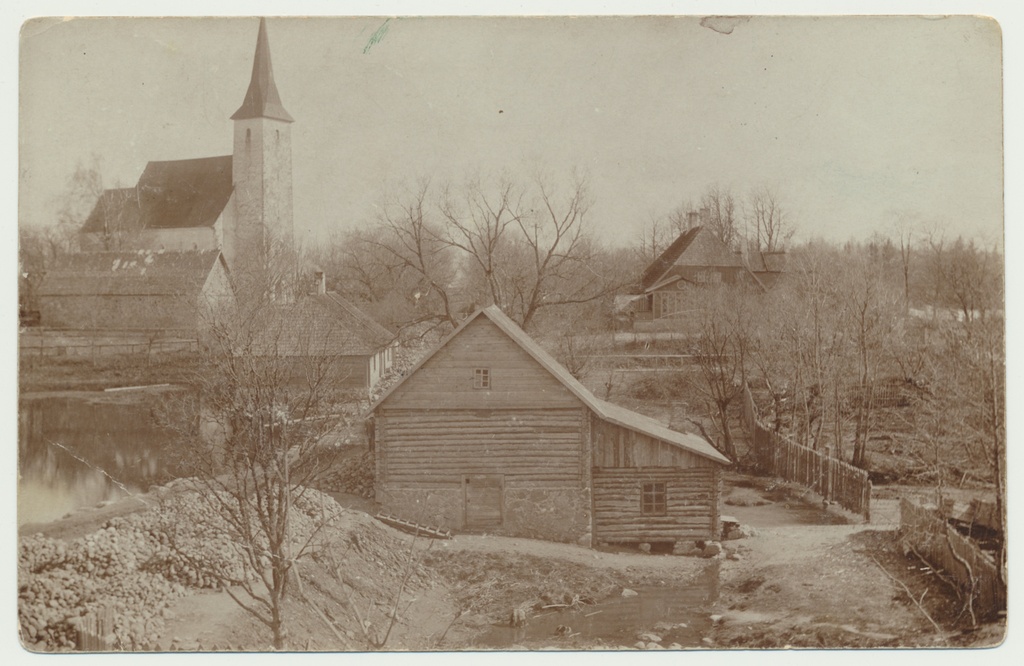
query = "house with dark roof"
x=697 y=258
x=324 y=328
x=488 y=433
x=173 y=292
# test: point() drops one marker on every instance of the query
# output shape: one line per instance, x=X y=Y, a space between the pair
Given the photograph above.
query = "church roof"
x=170 y=195
x=135 y=273
x=262 y=99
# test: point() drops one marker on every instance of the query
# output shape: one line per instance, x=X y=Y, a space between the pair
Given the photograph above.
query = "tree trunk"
x=727 y=444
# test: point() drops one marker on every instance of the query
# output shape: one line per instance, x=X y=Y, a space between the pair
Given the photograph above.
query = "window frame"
x=481 y=379
x=654 y=498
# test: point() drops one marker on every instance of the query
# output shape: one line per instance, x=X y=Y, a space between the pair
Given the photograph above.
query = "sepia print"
x=442 y=334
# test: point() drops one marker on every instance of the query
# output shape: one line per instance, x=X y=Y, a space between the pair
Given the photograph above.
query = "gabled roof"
x=695 y=247
x=322 y=325
x=170 y=195
x=668 y=258
x=605 y=410
x=140 y=273
x=767 y=262
x=262 y=99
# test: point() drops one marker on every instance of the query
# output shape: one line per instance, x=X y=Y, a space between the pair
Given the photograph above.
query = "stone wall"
x=553 y=514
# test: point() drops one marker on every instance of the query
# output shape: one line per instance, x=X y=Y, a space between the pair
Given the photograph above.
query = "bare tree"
x=120 y=211
x=722 y=345
x=768 y=220
x=869 y=307
x=966 y=277
x=411 y=242
x=83 y=189
x=655 y=236
x=718 y=206
x=269 y=390
x=525 y=248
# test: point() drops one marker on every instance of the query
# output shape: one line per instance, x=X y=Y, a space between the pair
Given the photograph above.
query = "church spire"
x=262 y=99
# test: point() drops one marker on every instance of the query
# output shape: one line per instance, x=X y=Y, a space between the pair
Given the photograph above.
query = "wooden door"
x=484 y=501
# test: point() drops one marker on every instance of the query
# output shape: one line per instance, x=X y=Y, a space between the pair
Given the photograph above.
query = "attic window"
x=653 y=500
x=481 y=378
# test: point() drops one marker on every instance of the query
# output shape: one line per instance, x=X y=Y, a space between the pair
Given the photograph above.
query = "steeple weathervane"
x=262 y=99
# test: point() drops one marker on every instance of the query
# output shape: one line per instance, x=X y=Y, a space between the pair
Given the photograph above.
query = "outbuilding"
x=488 y=433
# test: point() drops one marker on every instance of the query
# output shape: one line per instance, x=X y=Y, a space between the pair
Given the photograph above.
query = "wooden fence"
x=974 y=571
x=95 y=631
x=84 y=348
x=835 y=480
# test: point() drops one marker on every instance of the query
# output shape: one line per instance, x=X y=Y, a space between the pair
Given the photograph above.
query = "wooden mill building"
x=489 y=433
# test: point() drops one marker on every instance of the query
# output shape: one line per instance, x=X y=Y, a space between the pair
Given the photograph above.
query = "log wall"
x=691 y=497
x=424 y=457
x=539 y=448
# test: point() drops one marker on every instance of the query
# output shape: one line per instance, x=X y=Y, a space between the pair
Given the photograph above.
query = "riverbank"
x=37 y=374
x=804 y=579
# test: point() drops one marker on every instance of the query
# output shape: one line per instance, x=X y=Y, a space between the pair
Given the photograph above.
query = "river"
x=76 y=449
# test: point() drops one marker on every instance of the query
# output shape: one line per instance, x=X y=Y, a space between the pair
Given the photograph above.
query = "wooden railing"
x=91 y=349
x=835 y=480
x=973 y=571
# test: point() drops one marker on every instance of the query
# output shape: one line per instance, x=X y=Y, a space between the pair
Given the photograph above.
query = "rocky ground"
x=803 y=577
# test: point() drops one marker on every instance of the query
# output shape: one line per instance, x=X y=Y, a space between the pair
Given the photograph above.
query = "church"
x=200 y=233
x=239 y=203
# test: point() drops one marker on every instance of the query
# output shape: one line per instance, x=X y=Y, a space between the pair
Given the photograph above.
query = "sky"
x=855 y=122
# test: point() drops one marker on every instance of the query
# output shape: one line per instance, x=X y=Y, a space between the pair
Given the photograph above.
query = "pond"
x=79 y=449
x=677 y=614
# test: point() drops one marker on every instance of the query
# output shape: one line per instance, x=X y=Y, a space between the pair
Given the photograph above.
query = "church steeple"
x=262 y=99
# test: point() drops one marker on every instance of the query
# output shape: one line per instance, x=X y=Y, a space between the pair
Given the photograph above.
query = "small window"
x=652 y=500
x=482 y=378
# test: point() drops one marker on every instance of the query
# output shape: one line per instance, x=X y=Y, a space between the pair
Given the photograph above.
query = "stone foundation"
x=553 y=514
x=436 y=507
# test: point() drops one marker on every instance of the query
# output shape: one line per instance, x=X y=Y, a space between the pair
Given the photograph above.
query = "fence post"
x=828 y=474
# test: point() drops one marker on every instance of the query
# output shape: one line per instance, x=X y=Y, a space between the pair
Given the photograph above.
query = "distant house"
x=698 y=258
x=134 y=291
x=323 y=327
x=767 y=267
x=489 y=433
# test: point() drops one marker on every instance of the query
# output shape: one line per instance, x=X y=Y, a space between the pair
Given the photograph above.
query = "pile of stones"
x=135 y=565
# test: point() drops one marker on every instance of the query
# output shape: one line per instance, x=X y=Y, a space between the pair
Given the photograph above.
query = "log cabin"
x=488 y=433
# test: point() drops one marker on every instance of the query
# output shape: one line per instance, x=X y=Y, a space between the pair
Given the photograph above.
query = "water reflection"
x=79 y=449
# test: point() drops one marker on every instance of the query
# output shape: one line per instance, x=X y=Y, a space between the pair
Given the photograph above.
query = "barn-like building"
x=489 y=433
x=173 y=292
x=325 y=329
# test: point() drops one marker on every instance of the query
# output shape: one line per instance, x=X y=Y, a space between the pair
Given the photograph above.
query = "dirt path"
x=826 y=585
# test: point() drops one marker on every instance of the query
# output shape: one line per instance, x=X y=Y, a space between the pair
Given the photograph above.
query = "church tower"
x=259 y=243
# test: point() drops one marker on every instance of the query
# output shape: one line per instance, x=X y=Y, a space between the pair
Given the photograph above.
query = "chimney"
x=692 y=219
x=319 y=283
